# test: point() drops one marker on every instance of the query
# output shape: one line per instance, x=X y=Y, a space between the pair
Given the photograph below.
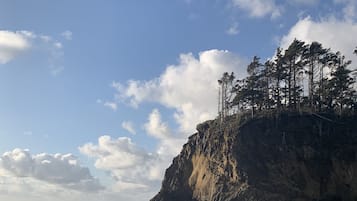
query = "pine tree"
x=225 y=93
x=293 y=59
x=341 y=92
x=278 y=74
x=313 y=56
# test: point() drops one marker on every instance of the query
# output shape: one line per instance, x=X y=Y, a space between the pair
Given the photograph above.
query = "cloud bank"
x=131 y=167
x=59 y=169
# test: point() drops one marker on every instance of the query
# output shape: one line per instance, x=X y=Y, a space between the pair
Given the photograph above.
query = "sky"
x=97 y=97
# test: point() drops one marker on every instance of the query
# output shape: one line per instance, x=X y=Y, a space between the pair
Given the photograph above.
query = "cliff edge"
x=277 y=158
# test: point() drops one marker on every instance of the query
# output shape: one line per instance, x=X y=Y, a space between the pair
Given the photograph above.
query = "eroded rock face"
x=289 y=157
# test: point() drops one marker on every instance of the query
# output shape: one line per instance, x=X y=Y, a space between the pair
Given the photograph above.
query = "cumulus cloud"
x=127 y=125
x=339 y=35
x=131 y=167
x=174 y=87
x=169 y=144
x=13 y=43
x=156 y=127
x=259 y=8
x=63 y=170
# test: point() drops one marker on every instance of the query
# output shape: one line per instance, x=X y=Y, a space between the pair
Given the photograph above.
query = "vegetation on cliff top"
x=303 y=78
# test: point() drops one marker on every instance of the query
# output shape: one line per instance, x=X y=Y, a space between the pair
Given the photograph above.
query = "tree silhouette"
x=279 y=84
x=340 y=91
x=294 y=61
x=225 y=93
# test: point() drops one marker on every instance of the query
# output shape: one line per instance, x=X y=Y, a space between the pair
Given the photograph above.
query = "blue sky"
x=116 y=87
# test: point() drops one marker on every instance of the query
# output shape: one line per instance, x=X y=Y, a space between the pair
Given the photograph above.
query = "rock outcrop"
x=290 y=157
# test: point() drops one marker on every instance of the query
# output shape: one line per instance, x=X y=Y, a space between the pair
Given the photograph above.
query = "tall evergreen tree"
x=293 y=59
x=278 y=74
x=313 y=55
x=225 y=93
x=341 y=92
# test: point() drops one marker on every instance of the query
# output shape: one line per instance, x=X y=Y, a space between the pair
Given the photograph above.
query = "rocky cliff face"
x=290 y=157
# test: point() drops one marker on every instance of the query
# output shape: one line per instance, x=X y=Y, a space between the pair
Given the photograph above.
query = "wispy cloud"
x=233 y=29
x=13 y=43
x=259 y=8
x=67 y=35
x=349 y=9
x=112 y=105
x=129 y=126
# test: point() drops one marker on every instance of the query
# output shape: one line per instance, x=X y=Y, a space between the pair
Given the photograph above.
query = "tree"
x=250 y=91
x=314 y=55
x=225 y=93
x=341 y=92
x=277 y=75
x=267 y=84
x=279 y=83
x=294 y=61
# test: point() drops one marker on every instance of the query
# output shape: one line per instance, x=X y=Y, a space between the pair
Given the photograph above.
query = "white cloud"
x=189 y=88
x=127 y=125
x=25 y=189
x=233 y=29
x=132 y=166
x=174 y=87
x=259 y=8
x=111 y=105
x=339 y=35
x=67 y=35
x=156 y=127
x=169 y=144
x=133 y=169
x=13 y=43
x=57 y=169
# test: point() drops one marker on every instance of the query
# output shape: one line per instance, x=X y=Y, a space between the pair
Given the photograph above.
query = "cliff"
x=288 y=157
